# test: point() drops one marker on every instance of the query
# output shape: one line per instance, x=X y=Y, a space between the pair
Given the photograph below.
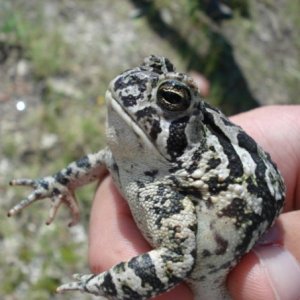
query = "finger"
x=114 y=237
x=271 y=271
x=289 y=224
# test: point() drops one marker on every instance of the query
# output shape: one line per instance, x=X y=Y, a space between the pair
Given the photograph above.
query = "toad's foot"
x=47 y=187
x=78 y=285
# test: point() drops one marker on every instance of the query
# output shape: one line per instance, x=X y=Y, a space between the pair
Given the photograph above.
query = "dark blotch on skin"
x=69 y=171
x=209 y=203
x=157 y=64
x=155 y=129
x=227 y=122
x=235 y=164
x=222 y=244
x=91 y=277
x=236 y=209
x=129 y=100
x=83 y=163
x=56 y=191
x=193 y=228
x=164 y=212
x=206 y=253
x=108 y=285
x=206 y=105
x=270 y=208
x=259 y=187
x=59 y=177
x=120 y=268
x=143 y=267
x=148 y=119
x=130 y=79
x=246 y=142
x=213 y=163
x=196 y=157
x=120 y=84
x=195 y=193
x=140 y=184
x=158 y=200
x=44 y=184
x=115 y=167
x=191 y=191
x=146 y=112
x=151 y=173
x=177 y=141
x=226 y=265
x=154 y=81
x=169 y=65
x=129 y=293
x=215 y=186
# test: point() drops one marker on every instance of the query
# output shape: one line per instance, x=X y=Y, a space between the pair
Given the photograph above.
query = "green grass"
x=38 y=258
x=43 y=46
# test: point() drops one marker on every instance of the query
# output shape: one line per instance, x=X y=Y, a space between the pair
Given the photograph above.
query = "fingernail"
x=281 y=269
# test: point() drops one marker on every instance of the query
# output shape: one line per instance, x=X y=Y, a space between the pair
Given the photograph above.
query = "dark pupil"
x=173 y=97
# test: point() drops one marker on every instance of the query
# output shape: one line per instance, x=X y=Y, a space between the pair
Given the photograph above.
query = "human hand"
x=114 y=237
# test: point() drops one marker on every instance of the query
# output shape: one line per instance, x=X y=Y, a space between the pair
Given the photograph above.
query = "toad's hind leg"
x=142 y=277
x=154 y=272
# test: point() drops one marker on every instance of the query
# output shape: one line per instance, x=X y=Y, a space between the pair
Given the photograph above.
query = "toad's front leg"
x=154 y=272
x=61 y=186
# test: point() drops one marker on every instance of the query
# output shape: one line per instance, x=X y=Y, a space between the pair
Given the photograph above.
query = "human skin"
x=114 y=237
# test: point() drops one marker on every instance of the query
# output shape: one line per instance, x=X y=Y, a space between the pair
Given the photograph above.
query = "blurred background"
x=56 y=60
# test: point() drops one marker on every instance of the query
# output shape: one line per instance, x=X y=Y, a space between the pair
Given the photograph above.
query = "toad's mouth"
x=113 y=104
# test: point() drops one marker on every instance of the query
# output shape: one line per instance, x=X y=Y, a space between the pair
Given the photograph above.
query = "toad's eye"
x=173 y=95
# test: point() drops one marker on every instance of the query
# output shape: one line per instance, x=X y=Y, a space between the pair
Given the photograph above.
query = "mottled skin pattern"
x=200 y=189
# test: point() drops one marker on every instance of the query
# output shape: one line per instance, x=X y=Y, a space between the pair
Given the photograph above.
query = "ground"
x=56 y=59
